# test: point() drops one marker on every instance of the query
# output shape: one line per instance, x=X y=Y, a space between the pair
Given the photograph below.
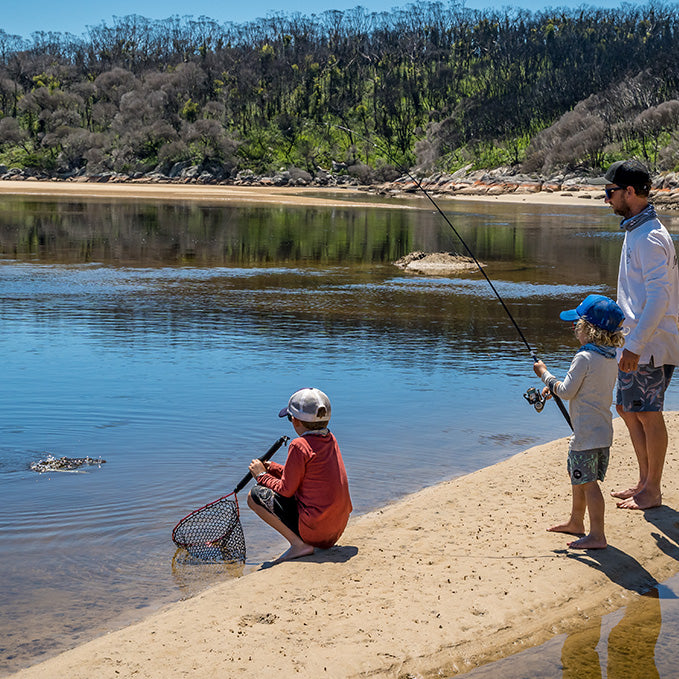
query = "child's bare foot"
x=642 y=500
x=624 y=494
x=570 y=527
x=295 y=552
x=588 y=542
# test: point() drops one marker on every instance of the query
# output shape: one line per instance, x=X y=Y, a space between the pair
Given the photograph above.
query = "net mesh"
x=213 y=532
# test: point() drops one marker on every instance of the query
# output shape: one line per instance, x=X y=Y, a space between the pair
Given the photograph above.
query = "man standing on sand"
x=648 y=293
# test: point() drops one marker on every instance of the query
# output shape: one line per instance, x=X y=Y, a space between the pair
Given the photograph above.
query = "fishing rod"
x=417 y=183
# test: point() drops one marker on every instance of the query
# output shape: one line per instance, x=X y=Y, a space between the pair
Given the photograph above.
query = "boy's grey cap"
x=308 y=405
x=626 y=173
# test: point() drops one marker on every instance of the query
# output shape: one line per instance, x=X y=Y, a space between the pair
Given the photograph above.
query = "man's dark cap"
x=626 y=173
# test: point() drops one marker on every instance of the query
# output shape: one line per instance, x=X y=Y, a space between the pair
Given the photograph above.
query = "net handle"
x=264 y=458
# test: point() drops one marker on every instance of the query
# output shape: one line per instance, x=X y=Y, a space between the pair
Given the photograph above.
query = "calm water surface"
x=164 y=338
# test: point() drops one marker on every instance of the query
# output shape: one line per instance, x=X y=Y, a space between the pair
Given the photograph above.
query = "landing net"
x=213 y=532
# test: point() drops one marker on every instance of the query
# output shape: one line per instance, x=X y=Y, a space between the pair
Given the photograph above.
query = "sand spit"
x=340 y=196
x=436 y=263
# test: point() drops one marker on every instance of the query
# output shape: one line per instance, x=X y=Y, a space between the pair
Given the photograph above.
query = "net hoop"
x=214 y=532
x=184 y=536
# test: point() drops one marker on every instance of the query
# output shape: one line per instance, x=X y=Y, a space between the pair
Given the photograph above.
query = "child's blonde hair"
x=603 y=338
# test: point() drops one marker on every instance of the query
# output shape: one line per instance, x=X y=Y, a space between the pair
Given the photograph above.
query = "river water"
x=163 y=338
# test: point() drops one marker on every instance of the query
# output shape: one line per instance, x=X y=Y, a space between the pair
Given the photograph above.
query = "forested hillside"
x=434 y=86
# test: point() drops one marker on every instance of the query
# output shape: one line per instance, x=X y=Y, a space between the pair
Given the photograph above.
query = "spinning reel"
x=535 y=398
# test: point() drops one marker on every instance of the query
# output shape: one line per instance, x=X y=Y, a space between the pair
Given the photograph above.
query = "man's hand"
x=629 y=362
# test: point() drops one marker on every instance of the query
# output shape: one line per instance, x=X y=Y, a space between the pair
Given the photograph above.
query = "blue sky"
x=73 y=16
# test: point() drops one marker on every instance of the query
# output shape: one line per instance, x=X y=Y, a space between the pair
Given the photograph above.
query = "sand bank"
x=455 y=575
x=298 y=196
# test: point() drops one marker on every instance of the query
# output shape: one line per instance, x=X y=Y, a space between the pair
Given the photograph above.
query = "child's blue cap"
x=598 y=310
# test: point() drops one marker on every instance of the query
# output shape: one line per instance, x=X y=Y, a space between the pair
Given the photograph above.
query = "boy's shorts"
x=585 y=466
x=643 y=391
x=285 y=508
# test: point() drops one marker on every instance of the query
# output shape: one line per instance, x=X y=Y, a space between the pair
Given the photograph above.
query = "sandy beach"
x=281 y=195
x=453 y=576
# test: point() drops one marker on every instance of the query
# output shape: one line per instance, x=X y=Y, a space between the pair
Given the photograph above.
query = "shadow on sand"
x=666 y=520
x=619 y=566
x=336 y=554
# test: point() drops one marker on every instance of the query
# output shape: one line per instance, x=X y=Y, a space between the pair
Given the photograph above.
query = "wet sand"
x=455 y=575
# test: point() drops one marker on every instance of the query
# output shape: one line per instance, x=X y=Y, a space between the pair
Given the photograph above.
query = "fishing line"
x=417 y=183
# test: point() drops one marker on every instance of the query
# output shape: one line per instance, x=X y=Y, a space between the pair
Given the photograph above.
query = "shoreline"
x=286 y=195
x=458 y=574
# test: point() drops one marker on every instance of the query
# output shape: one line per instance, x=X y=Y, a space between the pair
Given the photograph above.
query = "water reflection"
x=631 y=643
x=620 y=645
x=181 y=234
x=191 y=574
x=630 y=648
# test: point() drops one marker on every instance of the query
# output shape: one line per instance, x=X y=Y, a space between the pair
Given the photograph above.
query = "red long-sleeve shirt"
x=314 y=474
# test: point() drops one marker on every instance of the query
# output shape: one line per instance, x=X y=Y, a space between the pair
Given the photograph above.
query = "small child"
x=307 y=499
x=589 y=388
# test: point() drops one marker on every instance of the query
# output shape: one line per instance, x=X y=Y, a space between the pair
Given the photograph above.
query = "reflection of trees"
x=155 y=233
x=152 y=234
x=631 y=644
x=523 y=251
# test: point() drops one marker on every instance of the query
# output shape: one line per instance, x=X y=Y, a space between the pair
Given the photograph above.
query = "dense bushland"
x=435 y=86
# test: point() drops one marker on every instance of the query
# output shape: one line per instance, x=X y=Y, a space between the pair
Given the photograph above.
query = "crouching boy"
x=307 y=499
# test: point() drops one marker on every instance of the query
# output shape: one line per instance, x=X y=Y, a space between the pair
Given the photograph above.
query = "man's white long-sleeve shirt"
x=648 y=293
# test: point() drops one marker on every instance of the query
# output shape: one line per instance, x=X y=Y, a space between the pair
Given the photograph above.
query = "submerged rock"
x=64 y=464
x=440 y=263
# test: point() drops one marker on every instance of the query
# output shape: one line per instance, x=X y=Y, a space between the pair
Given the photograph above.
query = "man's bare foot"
x=624 y=494
x=588 y=542
x=295 y=552
x=642 y=500
x=570 y=527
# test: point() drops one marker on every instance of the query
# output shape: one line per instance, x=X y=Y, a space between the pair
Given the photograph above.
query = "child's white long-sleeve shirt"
x=588 y=387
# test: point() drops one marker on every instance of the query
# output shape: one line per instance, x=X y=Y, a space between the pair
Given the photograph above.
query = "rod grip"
x=267 y=456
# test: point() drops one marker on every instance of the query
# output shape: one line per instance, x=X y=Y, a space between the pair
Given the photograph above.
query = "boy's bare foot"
x=569 y=527
x=588 y=542
x=624 y=494
x=295 y=553
x=642 y=500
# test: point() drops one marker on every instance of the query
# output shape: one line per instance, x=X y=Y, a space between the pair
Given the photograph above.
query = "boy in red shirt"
x=307 y=499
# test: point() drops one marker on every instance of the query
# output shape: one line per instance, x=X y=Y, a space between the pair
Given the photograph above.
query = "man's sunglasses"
x=612 y=190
